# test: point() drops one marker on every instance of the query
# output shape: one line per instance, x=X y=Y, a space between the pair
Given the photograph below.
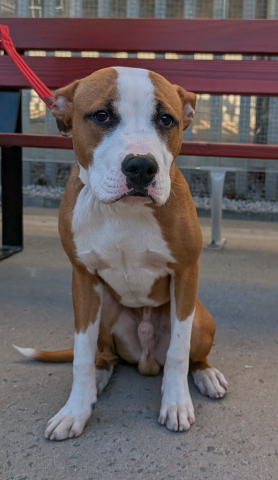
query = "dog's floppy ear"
x=189 y=100
x=62 y=108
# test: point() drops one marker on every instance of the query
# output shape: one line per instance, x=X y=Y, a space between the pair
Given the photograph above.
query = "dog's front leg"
x=177 y=411
x=71 y=419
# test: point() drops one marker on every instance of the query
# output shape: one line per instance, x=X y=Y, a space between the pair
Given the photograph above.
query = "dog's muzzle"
x=140 y=171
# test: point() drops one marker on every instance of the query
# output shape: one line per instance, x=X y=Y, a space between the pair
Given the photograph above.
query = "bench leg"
x=12 y=211
x=217 y=184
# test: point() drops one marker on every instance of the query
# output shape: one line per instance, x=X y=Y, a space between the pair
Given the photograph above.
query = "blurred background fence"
x=227 y=118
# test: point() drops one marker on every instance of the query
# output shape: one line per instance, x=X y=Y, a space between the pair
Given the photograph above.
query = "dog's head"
x=126 y=125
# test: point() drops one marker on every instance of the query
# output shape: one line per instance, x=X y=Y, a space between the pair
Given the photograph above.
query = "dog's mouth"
x=141 y=193
x=138 y=193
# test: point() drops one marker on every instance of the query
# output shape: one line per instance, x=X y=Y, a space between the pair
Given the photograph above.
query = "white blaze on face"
x=135 y=134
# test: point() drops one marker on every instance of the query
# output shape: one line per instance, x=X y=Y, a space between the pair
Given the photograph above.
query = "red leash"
x=44 y=93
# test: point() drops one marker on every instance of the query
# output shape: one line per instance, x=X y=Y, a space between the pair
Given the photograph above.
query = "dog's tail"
x=59 y=356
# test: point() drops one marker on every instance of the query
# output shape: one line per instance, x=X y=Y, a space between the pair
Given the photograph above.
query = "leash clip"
x=49 y=100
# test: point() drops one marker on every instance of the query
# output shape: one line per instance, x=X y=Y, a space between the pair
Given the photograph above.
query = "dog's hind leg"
x=209 y=380
x=105 y=362
x=106 y=355
x=102 y=378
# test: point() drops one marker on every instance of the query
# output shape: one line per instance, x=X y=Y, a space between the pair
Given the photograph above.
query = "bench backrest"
x=183 y=37
x=246 y=37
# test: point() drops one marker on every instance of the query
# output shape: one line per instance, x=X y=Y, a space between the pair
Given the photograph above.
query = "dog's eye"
x=166 y=120
x=101 y=116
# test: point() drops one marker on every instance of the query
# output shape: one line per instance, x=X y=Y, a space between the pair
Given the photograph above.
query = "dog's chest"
x=123 y=245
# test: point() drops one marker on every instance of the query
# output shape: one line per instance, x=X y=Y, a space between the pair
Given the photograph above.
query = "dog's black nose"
x=139 y=170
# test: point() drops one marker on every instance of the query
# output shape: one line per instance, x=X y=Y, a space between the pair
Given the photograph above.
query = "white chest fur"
x=123 y=244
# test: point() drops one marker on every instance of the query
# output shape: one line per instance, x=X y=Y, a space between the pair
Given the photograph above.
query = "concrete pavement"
x=234 y=438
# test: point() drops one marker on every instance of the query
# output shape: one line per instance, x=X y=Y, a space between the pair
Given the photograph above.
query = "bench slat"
x=156 y=35
x=235 y=150
x=245 y=77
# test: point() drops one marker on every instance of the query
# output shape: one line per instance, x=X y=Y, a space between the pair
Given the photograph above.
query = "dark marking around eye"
x=103 y=117
x=166 y=120
x=163 y=119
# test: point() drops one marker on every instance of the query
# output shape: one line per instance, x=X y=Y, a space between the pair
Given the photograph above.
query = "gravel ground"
x=252 y=202
x=255 y=206
x=199 y=181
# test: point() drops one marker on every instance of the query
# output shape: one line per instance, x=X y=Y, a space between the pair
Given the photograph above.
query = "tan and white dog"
x=129 y=226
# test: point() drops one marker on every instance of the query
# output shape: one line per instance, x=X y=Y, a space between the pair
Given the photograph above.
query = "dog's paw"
x=210 y=382
x=177 y=411
x=65 y=424
x=177 y=418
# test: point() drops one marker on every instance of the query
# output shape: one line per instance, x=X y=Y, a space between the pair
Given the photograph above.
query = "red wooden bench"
x=246 y=77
